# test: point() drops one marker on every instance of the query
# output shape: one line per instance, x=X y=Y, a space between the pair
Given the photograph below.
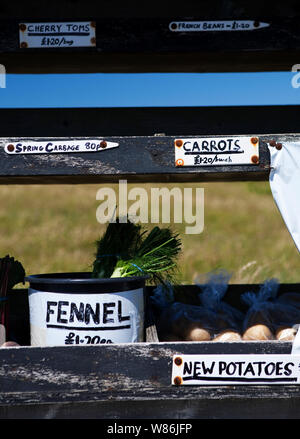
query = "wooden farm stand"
x=134 y=381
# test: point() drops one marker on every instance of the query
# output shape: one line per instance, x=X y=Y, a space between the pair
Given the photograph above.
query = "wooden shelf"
x=137 y=38
x=146 y=137
x=132 y=380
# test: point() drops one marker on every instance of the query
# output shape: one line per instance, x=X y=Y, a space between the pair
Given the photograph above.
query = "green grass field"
x=54 y=229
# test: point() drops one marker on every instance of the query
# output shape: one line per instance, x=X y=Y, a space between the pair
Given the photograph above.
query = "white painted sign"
x=57 y=34
x=214 y=151
x=61 y=319
x=58 y=146
x=235 y=369
x=220 y=25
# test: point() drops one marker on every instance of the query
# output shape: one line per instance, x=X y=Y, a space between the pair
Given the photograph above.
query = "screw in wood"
x=178 y=143
x=178 y=361
x=278 y=146
x=272 y=143
x=103 y=144
x=174 y=26
x=23 y=45
x=10 y=147
x=254 y=159
x=179 y=162
x=22 y=27
x=177 y=381
x=254 y=140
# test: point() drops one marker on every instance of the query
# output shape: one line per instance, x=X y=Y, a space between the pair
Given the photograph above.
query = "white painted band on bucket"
x=61 y=319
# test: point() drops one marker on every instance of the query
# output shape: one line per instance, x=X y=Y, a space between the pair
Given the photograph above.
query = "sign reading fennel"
x=213 y=151
x=58 y=146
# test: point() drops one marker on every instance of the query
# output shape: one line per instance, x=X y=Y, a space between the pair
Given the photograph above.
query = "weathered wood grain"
x=145 y=135
x=137 y=39
x=136 y=158
x=130 y=375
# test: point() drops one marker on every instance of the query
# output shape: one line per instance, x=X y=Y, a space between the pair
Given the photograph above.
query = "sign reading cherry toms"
x=57 y=34
x=60 y=319
x=235 y=369
x=58 y=146
x=214 y=151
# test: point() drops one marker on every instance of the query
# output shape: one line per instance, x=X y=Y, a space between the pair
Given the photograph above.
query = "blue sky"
x=138 y=90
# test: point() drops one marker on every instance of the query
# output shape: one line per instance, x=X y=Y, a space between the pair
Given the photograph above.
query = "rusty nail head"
x=93 y=40
x=178 y=361
x=24 y=45
x=254 y=159
x=256 y=24
x=278 y=146
x=173 y=26
x=22 y=27
x=178 y=143
x=103 y=144
x=254 y=140
x=177 y=381
x=10 y=147
x=272 y=143
x=93 y=23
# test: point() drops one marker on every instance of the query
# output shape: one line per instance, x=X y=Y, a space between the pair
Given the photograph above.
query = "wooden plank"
x=137 y=38
x=136 y=159
x=145 y=135
x=115 y=378
x=149 y=121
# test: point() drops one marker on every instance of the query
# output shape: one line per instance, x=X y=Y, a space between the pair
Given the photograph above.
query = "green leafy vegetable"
x=119 y=241
x=126 y=250
x=155 y=256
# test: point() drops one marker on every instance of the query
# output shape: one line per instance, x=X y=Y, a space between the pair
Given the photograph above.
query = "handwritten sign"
x=59 y=146
x=235 y=369
x=214 y=151
x=206 y=26
x=56 y=35
x=78 y=319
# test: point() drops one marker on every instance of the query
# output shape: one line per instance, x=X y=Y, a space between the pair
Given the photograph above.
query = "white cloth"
x=285 y=185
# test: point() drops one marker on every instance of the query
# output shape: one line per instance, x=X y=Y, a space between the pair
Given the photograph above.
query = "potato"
x=285 y=333
x=9 y=344
x=228 y=335
x=190 y=330
x=195 y=332
x=258 y=332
